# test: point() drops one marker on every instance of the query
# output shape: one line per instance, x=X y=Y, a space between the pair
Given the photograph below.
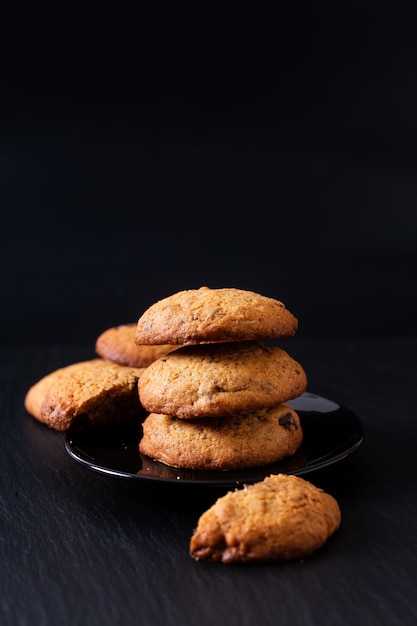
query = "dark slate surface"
x=81 y=548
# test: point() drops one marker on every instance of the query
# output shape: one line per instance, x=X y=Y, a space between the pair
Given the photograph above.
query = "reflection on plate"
x=331 y=432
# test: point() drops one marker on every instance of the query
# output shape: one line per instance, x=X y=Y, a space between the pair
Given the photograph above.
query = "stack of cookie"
x=215 y=395
x=218 y=401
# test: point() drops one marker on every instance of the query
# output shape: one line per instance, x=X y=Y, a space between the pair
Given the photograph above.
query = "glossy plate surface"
x=331 y=432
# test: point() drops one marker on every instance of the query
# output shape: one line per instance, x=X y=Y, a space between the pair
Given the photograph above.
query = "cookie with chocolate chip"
x=222 y=443
x=280 y=518
x=214 y=315
x=117 y=344
x=211 y=380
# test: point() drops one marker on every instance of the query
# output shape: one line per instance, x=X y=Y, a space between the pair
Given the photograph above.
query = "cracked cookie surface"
x=214 y=315
x=37 y=392
x=85 y=393
x=283 y=517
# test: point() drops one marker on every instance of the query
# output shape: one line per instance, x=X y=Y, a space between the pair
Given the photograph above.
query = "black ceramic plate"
x=331 y=432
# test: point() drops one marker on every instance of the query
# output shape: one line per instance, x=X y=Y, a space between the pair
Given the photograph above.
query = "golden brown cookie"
x=37 y=392
x=214 y=315
x=223 y=443
x=117 y=344
x=220 y=379
x=90 y=392
x=283 y=517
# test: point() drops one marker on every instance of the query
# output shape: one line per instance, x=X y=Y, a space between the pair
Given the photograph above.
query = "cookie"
x=283 y=517
x=87 y=393
x=117 y=344
x=214 y=315
x=211 y=380
x=223 y=443
x=37 y=392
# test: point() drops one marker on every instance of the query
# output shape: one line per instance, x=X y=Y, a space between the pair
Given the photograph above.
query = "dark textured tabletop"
x=78 y=547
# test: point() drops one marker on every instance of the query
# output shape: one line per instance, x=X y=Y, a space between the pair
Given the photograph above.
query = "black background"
x=149 y=147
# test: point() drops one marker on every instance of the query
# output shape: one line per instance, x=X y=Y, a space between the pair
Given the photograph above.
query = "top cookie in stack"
x=208 y=315
x=218 y=401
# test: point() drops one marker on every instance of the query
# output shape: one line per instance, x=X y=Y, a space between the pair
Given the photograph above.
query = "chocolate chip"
x=288 y=422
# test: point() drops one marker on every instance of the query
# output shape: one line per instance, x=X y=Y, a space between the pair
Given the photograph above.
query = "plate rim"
x=218 y=479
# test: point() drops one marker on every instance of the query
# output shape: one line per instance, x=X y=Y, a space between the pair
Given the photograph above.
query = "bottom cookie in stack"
x=222 y=443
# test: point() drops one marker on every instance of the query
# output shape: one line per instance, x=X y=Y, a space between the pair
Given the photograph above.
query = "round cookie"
x=283 y=517
x=91 y=393
x=221 y=379
x=214 y=315
x=117 y=344
x=224 y=443
x=37 y=392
